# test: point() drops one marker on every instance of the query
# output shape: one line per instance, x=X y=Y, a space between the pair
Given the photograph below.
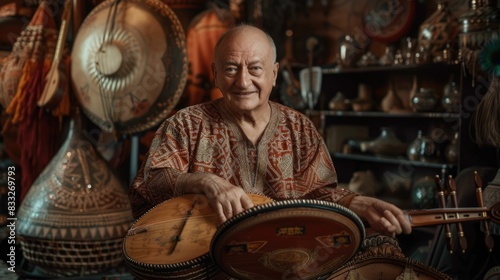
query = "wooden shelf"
x=393 y=160
x=378 y=114
x=380 y=68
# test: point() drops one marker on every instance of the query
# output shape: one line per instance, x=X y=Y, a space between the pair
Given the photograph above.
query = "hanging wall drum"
x=74 y=217
x=129 y=64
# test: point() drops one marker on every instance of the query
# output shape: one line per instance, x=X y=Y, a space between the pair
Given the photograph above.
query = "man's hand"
x=383 y=217
x=226 y=199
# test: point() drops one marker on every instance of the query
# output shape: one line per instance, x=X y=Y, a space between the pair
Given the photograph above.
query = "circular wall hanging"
x=388 y=21
x=129 y=64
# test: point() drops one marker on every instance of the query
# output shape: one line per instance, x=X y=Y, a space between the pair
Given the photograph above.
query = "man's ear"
x=215 y=75
x=276 y=68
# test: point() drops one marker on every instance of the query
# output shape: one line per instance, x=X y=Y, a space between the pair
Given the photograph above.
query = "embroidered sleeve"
x=156 y=180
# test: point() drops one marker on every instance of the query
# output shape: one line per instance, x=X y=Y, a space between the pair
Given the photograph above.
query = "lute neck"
x=430 y=217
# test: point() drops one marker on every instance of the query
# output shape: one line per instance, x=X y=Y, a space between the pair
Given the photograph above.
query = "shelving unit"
x=404 y=123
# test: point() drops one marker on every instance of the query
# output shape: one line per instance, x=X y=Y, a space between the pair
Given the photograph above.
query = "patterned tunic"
x=290 y=161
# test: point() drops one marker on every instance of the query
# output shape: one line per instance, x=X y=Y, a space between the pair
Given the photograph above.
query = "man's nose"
x=243 y=78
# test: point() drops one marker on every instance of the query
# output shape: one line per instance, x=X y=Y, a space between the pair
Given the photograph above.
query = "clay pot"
x=424 y=100
x=339 y=102
x=386 y=144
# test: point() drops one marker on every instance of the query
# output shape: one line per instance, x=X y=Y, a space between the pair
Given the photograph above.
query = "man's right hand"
x=226 y=199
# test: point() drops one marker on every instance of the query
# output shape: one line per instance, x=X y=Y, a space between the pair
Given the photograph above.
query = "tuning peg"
x=453 y=196
x=488 y=239
x=442 y=204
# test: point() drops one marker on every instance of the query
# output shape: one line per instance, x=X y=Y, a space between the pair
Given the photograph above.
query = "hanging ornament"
x=129 y=64
x=22 y=80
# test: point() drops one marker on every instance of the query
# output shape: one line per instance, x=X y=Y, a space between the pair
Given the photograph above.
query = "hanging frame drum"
x=129 y=64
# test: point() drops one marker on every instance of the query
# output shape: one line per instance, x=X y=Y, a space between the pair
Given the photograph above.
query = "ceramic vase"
x=423 y=193
x=386 y=144
x=438 y=30
x=429 y=150
x=391 y=101
x=414 y=147
x=74 y=217
x=424 y=100
x=364 y=101
x=339 y=102
x=451 y=97
x=348 y=52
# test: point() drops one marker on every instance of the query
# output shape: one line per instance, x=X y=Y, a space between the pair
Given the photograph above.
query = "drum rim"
x=285 y=204
x=396 y=260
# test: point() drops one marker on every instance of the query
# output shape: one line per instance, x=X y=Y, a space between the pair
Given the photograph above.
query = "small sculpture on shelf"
x=386 y=144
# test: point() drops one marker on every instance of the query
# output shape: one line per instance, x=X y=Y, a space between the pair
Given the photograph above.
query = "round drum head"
x=129 y=64
x=292 y=239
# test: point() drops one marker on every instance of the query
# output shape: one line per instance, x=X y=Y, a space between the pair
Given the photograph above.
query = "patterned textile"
x=290 y=161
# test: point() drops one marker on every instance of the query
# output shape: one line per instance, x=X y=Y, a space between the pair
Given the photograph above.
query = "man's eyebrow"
x=256 y=61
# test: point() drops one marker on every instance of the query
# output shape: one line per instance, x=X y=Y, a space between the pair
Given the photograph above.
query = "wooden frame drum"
x=291 y=239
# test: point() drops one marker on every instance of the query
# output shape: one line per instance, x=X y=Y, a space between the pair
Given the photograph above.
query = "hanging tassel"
x=38 y=130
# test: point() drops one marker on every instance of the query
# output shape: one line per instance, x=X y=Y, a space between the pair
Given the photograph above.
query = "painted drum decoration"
x=289 y=239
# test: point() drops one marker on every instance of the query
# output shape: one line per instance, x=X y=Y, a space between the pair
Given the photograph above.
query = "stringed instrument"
x=56 y=80
x=290 y=88
x=180 y=238
x=172 y=240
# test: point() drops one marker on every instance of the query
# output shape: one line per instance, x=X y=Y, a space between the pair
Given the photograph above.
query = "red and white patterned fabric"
x=290 y=161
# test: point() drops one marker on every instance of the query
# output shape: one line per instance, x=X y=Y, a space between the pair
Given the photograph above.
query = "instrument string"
x=108 y=36
x=172 y=221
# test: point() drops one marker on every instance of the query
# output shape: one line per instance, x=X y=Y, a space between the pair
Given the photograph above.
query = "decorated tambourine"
x=129 y=64
x=291 y=239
